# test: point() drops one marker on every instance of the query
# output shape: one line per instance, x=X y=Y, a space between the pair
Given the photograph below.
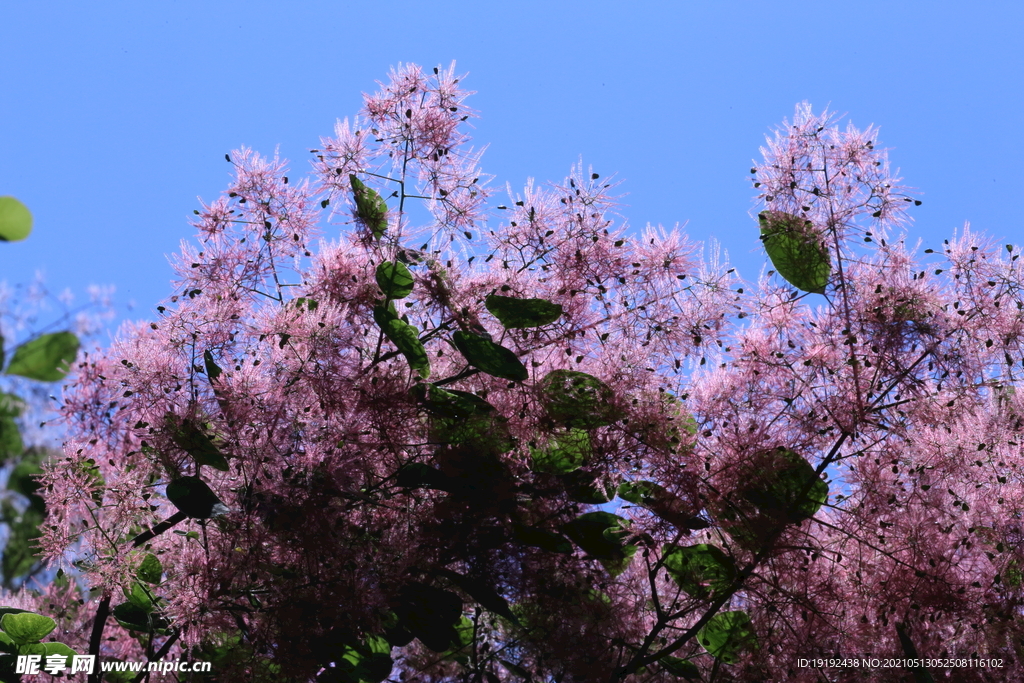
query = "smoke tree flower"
x=587 y=456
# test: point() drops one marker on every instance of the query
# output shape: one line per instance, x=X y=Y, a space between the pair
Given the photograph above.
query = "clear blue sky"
x=115 y=116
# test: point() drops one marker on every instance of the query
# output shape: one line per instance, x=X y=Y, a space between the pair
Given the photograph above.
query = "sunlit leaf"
x=15 y=220
x=394 y=279
x=703 y=571
x=405 y=337
x=187 y=436
x=787 y=487
x=213 y=370
x=150 y=571
x=728 y=635
x=58 y=649
x=796 y=250
x=485 y=355
x=515 y=313
x=563 y=454
x=26 y=627
x=578 y=400
x=371 y=209
x=602 y=536
x=46 y=358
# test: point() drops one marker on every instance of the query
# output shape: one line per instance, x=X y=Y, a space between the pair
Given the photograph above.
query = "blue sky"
x=115 y=116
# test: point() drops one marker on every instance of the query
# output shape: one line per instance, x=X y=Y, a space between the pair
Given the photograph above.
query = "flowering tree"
x=582 y=457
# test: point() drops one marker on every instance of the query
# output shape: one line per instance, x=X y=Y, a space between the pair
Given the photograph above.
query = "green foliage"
x=727 y=635
x=578 y=400
x=46 y=358
x=788 y=487
x=189 y=437
x=796 y=250
x=15 y=220
x=680 y=668
x=394 y=279
x=779 y=488
x=227 y=652
x=405 y=337
x=150 y=571
x=19 y=554
x=517 y=313
x=565 y=453
x=22 y=633
x=213 y=371
x=371 y=209
x=192 y=496
x=661 y=502
x=602 y=535
x=27 y=627
x=485 y=355
x=703 y=571
x=366 y=662
x=11 y=444
x=586 y=487
x=459 y=417
x=541 y=538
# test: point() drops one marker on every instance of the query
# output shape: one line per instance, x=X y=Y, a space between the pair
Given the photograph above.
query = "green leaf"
x=464 y=638
x=796 y=251
x=20 y=552
x=135 y=618
x=23 y=477
x=450 y=403
x=27 y=627
x=727 y=635
x=679 y=667
x=15 y=220
x=366 y=662
x=513 y=312
x=371 y=209
x=601 y=535
x=578 y=400
x=187 y=436
x=192 y=496
x=781 y=491
x=394 y=279
x=541 y=538
x=482 y=592
x=585 y=487
x=11 y=443
x=213 y=370
x=485 y=355
x=639 y=492
x=150 y=571
x=405 y=337
x=11 y=405
x=703 y=571
x=59 y=649
x=47 y=358
x=460 y=417
x=564 y=454
x=139 y=597
x=661 y=502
